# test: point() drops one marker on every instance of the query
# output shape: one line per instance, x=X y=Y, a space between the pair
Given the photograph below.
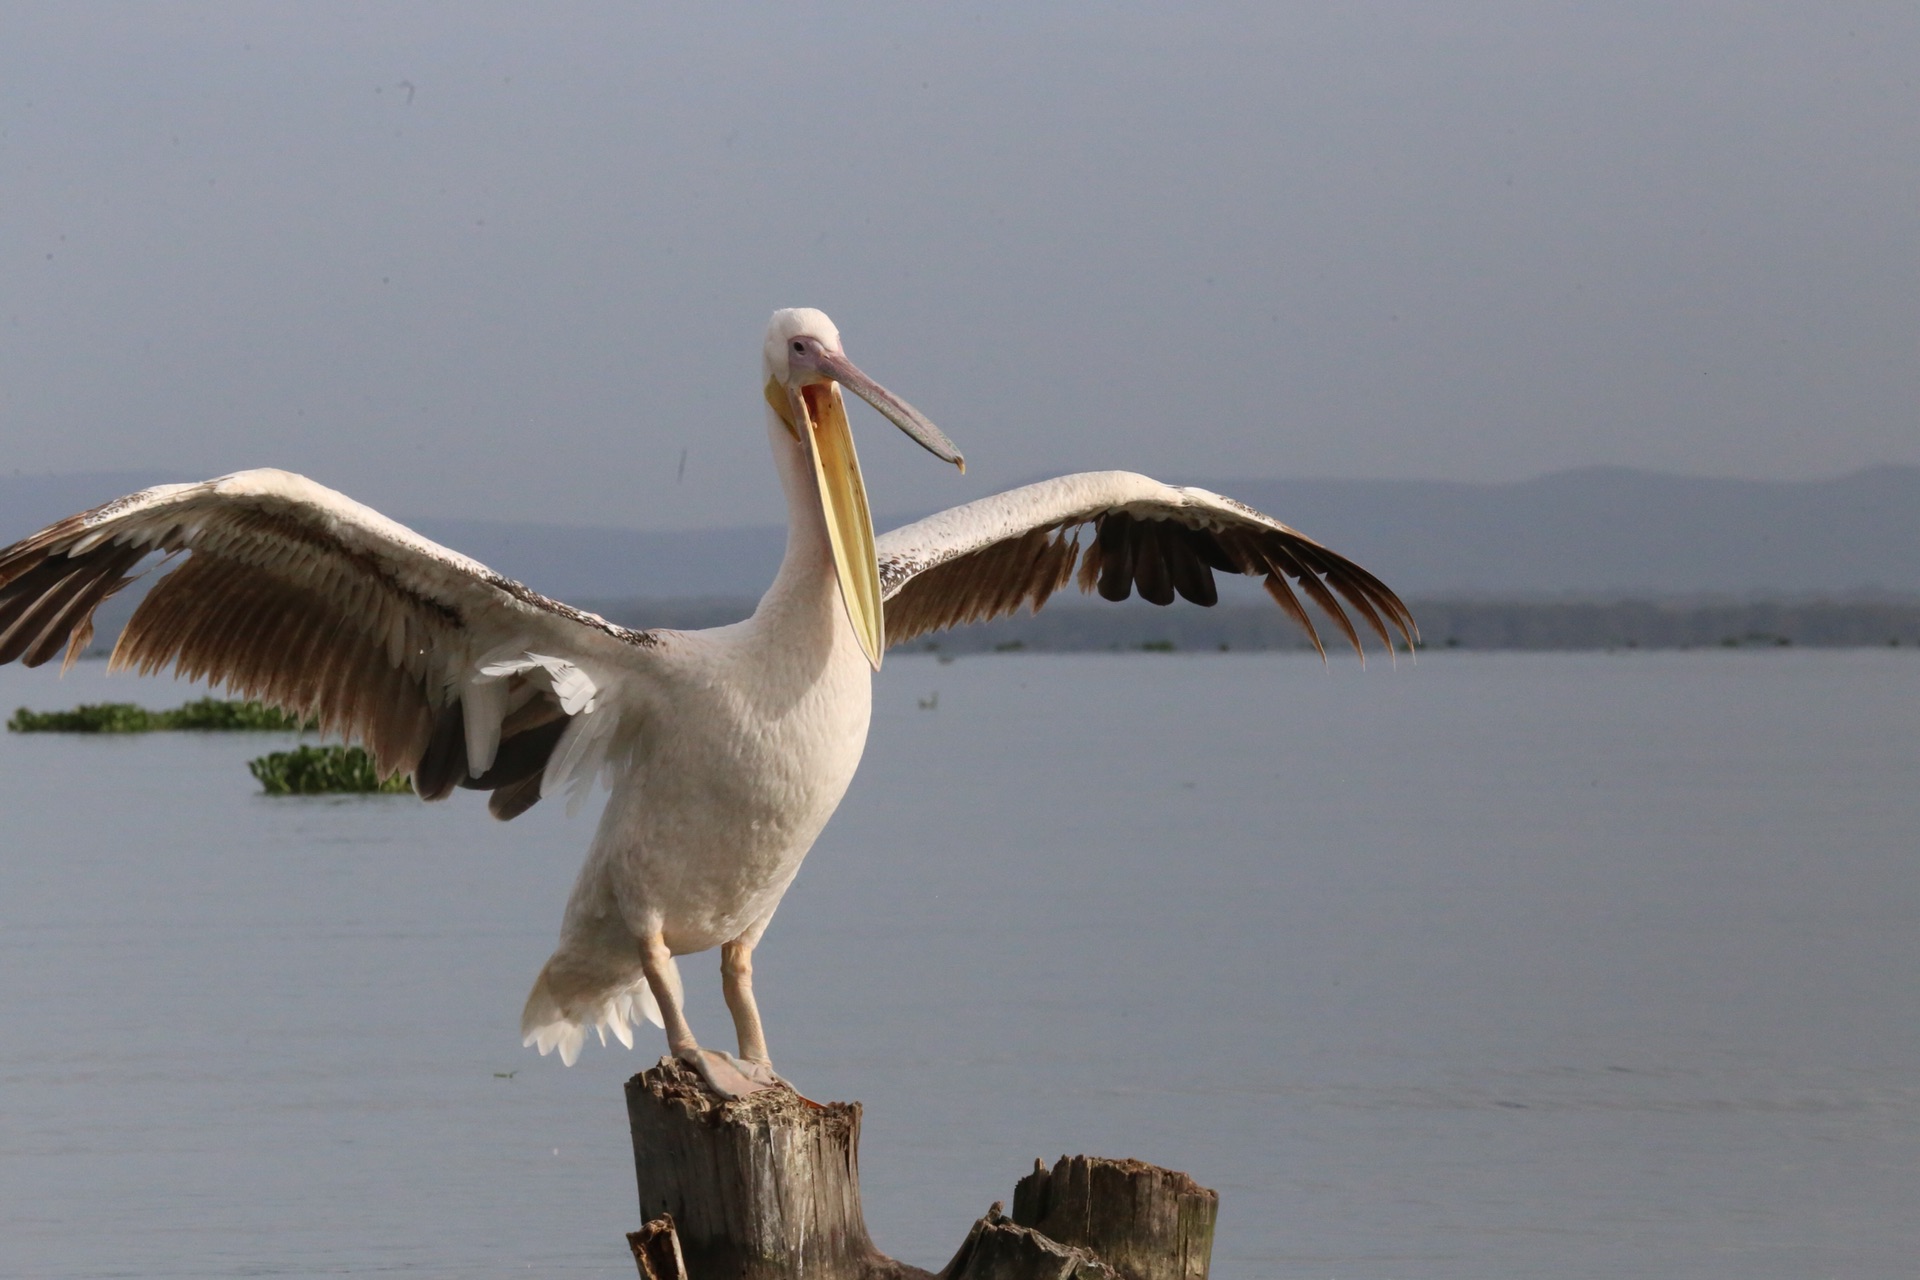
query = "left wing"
x=985 y=559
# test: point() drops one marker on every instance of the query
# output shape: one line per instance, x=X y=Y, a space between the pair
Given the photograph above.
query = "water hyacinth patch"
x=308 y=771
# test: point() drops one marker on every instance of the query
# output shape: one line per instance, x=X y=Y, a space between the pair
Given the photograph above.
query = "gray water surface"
x=1516 y=965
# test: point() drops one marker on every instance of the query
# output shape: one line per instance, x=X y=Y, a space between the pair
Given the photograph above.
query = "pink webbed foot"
x=730 y=1077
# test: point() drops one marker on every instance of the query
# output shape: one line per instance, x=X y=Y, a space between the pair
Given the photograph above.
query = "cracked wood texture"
x=765 y=1188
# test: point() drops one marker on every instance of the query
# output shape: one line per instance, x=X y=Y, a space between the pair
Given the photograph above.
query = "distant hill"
x=1612 y=531
x=1597 y=531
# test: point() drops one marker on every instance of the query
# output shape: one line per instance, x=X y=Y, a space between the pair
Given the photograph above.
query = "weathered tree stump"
x=1145 y=1222
x=768 y=1188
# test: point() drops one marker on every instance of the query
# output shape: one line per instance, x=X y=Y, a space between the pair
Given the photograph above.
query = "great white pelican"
x=724 y=751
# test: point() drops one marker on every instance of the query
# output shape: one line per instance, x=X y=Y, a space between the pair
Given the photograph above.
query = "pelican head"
x=805 y=369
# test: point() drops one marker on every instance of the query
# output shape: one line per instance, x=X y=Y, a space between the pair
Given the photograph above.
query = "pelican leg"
x=736 y=981
x=722 y=1074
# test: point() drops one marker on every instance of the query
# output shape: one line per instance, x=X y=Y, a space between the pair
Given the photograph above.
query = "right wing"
x=299 y=596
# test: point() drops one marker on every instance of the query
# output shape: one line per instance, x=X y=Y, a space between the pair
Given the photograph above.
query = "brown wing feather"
x=1054 y=569
x=1282 y=557
x=269 y=638
x=1088 y=576
x=44 y=606
x=1349 y=586
x=1359 y=587
x=1276 y=584
x=993 y=581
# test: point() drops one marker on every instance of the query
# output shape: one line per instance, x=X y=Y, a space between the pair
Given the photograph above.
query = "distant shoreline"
x=1528 y=625
x=1073 y=625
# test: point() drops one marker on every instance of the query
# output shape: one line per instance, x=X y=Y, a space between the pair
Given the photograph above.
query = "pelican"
x=724 y=752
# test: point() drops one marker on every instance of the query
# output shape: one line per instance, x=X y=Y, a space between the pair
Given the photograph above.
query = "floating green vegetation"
x=98 y=717
x=1159 y=646
x=125 y=717
x=312 y=771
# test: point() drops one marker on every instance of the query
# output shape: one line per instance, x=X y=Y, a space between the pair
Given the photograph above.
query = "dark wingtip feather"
x=510 y=802
x=520 y=757
x=1150 y=572
x=1115 y=544
x=444 y=762
x=1213 y=552
x=1192 y=575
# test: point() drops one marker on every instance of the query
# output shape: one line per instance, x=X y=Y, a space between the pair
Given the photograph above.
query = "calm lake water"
x=1500 y=965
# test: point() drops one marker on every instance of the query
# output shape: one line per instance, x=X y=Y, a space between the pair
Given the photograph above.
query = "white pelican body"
x=707 y=823
x=725 y=751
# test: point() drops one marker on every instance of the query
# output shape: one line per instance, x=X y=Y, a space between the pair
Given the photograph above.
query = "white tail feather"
x=546 y=1026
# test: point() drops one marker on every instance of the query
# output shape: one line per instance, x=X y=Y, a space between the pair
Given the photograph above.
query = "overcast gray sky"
x=485 y=261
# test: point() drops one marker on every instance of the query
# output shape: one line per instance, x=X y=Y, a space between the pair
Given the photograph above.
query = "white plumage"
x=725 y=751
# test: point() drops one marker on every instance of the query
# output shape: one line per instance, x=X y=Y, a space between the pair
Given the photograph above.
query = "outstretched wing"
x=297 y=595
x=987 y=558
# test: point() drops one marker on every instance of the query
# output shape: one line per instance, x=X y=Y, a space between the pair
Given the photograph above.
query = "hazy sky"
x=471 y=260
